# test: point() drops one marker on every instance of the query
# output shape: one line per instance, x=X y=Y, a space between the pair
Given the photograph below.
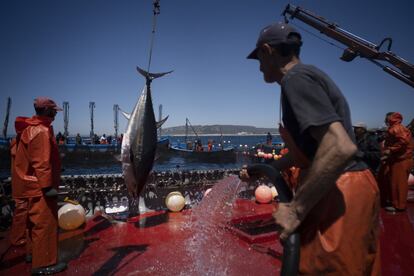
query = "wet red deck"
x=158 y=244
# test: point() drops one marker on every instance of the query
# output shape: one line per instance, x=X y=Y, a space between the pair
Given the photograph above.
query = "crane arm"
x=357 y=46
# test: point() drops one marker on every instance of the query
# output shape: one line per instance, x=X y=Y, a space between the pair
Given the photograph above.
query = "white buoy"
x=410 y=179
x=175 y=201
x=71 y=216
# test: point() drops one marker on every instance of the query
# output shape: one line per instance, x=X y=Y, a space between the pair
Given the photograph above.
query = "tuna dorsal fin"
x=126 y=115
x=151 y=76
x=160 y=123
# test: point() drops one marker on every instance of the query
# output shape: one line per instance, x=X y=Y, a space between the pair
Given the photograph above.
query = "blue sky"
x=81 y=51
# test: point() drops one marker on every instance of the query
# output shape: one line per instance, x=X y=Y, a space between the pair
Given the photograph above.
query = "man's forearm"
x=330 y=160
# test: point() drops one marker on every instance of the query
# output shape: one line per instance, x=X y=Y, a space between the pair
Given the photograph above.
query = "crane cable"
x=315 y=35
x=156 y=11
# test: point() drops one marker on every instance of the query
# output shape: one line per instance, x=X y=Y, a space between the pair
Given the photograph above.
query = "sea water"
x=241 y=143
x=202 y=246
x=206 y=246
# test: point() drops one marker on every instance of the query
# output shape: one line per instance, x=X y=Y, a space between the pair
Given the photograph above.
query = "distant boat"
x=98 y=154
x=70 y=145
x=217 y=155
x=89 y=155
x=163 y=142
x=203 y=154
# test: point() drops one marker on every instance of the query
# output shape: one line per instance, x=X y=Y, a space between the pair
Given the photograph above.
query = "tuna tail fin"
x=160 y=123
x=151 y=76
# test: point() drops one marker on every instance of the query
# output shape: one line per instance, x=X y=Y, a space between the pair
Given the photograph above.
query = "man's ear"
x=267 y=49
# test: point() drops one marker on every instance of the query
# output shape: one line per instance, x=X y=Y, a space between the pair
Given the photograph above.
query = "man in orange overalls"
x=18 y=230
x=336 y=205
x=35 y=179
x=210 y=145
x=397 y=162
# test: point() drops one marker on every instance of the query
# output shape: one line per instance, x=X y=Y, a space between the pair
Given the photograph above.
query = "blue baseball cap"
x=274 y=34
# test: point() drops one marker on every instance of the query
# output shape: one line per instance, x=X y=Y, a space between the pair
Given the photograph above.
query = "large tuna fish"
x=140 y=139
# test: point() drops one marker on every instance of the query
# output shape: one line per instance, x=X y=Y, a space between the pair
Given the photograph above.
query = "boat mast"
x=91 y=108
x=6 y=120
x=192 y=128
x=116 y=123
x=186 y=130
x=65 y=118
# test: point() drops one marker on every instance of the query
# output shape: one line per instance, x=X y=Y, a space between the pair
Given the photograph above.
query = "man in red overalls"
x=397 y=162
x=336 y=205
x=35 y=179
x=18 y=231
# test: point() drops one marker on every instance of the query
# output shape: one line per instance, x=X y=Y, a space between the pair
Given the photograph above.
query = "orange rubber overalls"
x=18 y=230
x=340 y=235
x=394 y=171
x=35 y=166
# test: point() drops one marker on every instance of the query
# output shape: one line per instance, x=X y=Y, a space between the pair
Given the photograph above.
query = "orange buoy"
x=263 y=194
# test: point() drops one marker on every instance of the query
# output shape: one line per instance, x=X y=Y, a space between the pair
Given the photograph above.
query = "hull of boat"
x=216 y=156
x=88 y=156
x=157 y=243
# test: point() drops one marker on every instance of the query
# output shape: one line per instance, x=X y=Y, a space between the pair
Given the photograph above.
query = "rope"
x=156 y=11
x=193 y=129
x=315 y=35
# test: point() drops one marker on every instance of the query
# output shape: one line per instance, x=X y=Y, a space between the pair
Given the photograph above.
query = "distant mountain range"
x=218 y=129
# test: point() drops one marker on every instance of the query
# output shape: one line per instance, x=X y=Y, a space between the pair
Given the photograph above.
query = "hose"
x=291 y=246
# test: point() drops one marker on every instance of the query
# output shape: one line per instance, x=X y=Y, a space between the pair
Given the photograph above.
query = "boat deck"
x=162 y=243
